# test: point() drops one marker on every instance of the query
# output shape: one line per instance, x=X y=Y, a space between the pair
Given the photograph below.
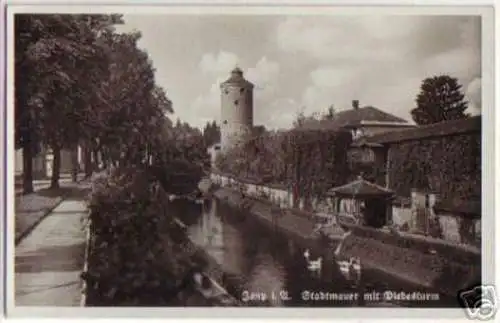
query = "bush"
x=312 y=161
x=179 y=177
x=133 y=259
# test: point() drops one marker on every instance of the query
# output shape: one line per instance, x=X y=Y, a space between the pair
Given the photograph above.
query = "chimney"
x=355 y=104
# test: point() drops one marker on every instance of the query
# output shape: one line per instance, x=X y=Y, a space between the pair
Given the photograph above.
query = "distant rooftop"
x=357 y=117
x=468 y=125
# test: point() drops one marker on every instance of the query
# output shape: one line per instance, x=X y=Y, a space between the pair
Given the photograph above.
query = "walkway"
x=48 y=262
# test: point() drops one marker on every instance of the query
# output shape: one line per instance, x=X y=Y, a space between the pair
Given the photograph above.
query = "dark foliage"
x=440 y=99
x=211 y=133
x=448 y=165
x=309 y=162
x=134 y=258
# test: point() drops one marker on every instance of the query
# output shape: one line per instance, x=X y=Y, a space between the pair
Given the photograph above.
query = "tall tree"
x=211 y=133
x=25 y=118
x=131 y=106
x=54 y=54
x=440 y=99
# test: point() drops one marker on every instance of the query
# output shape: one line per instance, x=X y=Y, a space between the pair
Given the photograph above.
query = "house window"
x=225 y=122
x=235 y=102
x=242 y=90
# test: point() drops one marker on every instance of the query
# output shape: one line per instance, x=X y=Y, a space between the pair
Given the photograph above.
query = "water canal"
x=272 y=270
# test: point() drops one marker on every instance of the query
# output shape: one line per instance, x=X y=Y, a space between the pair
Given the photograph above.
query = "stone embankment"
x=399 y=259
x=418 y=261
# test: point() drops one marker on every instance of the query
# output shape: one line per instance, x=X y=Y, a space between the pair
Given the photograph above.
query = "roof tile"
x=354 y=117
x=472 y=124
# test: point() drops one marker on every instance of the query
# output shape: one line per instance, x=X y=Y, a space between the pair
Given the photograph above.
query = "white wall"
x=18 y=161
x=39 y=167
x=401 y=216
x=451 y=227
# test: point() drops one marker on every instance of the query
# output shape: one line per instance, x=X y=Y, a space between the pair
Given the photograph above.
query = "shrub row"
x=136 y=257
x=309 y=161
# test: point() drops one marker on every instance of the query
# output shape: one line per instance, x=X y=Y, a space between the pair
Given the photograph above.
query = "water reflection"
x=273 y=268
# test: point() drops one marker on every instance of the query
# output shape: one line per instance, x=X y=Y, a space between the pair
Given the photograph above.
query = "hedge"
x=448 y=165
x=137 y=256
x=311 y=161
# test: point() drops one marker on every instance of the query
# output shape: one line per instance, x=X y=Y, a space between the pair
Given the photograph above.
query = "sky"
x=308 y=63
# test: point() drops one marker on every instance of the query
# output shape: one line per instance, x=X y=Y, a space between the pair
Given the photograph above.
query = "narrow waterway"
x=272 y=269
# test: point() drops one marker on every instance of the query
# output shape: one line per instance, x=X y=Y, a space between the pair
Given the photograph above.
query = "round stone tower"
x=236 y=109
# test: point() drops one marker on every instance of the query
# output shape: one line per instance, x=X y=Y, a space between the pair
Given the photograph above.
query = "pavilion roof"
x=361 y=188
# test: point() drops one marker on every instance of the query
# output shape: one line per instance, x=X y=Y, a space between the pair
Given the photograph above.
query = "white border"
x=239 y=9
x=487 y=157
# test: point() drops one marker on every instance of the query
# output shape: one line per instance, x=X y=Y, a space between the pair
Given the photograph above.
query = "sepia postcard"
x=250 y=161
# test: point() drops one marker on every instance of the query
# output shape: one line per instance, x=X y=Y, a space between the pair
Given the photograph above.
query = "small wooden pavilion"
x=370 y=202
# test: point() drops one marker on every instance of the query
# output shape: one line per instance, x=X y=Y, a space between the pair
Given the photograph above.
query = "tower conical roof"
x=237 y=78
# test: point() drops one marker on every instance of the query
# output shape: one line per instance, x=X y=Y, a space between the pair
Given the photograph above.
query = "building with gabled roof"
x=362 y=121
x=440 y=129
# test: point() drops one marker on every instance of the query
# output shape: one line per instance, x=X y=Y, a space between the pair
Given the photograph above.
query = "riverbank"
x=421 y=263
x=230 y=283
x=225 y=288
x=390 y=259
x=297 y=227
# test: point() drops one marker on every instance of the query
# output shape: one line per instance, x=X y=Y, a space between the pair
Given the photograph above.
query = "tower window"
x=242 y=90
x=235 y=102
x=226 y=91
x=225 y=122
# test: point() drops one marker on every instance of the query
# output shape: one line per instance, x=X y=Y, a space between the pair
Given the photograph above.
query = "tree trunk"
x=87 y=161
x=56 y=166
x=297 y=181
x=27 y=169
x=74 y=164
x=105 y=158
x=95 y=160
